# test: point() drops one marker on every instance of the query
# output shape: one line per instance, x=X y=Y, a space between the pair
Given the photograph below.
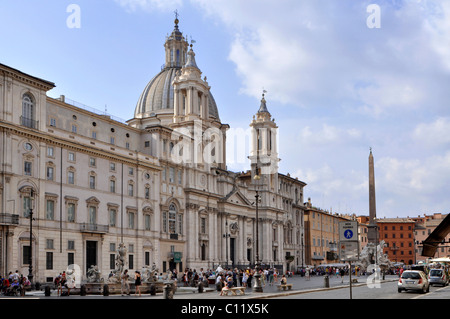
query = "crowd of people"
x=14 y=284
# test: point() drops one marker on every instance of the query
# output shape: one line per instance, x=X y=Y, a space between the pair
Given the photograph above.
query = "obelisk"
x=372 y=229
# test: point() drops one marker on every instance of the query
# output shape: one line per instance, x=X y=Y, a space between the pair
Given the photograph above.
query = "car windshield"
x=436 y=272
x=411 y=275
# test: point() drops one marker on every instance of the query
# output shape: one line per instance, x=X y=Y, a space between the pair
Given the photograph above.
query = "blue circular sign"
x=348 y=234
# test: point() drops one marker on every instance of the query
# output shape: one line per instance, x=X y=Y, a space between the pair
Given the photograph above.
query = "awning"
x=436 y=237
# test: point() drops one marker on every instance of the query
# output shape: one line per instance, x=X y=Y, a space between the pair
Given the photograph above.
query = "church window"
x=28 y=111
x=178 y=57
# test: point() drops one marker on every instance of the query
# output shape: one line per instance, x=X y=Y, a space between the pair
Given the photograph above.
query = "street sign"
x=348 y=231
x=349 y=250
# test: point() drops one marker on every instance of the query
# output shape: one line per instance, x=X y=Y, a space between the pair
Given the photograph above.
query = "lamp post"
x=30 y=259
x=257 y=286
x=226 y=236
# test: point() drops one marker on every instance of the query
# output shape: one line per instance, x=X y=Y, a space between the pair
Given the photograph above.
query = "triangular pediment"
x=236 y=197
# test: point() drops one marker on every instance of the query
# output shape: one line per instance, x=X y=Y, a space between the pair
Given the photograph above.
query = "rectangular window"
x=112 y=140
x=92 y=182
x=50 y=210
x=130 y=189
x=203 y=225
x=50 y=151
x=49 y=173
x=147 y=222
x=71 y=156
x=71 y=178
x=52 y=122
x=112 y=217
x=94 y=135
x=147 y=193
x=71 y=244
x=74 y=128
x=71 y=212
x=27 y=168
x=171 y=175
x=147 y=258
x=127 y=145
x=25 y=255
x=112 y=261
x=131 y=220
x=112 y=186
x=92 y=161
x=70 y=258
x=112 y=167
x=26 y=206
x=130 y=262
x=49 y=260
x=92 y=215
x=130 y=171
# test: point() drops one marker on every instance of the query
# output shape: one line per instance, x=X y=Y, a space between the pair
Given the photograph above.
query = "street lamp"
x=30 y=259
x=226 y=236
x=257 y=287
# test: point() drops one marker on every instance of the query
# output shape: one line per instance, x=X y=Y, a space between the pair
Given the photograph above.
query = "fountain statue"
x=373 y=254
x=93 y=275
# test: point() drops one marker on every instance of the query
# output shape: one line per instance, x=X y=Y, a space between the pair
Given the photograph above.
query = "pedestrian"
x=308 y=273
x=137 y=282
x=244 y=279
x=283 y=280
x=125 y=283
x=342 y=273
x=271 y=277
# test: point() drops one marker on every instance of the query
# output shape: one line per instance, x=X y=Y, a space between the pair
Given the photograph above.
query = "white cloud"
x=312 y=54
x=434 y=134
x=328 y=135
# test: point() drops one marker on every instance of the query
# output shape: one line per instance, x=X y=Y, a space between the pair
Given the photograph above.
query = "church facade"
x=157 y=183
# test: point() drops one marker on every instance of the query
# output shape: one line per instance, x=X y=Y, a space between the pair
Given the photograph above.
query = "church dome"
x=158 y=95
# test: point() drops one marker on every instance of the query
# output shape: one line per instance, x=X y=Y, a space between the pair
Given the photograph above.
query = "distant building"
x=321 y=235
x=398 y=235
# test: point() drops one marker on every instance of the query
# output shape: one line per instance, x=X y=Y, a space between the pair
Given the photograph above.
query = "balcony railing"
x=29 y=122
x=9 y=219
x=94 y=228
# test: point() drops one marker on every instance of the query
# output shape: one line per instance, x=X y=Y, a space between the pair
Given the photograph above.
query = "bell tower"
x=264 y=150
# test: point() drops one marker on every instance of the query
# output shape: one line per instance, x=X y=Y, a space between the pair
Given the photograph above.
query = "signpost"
x=349 y=245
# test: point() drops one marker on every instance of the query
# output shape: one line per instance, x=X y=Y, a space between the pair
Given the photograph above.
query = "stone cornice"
x=26 y=78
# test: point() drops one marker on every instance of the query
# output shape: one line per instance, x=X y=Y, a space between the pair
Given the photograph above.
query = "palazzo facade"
x=158 y=183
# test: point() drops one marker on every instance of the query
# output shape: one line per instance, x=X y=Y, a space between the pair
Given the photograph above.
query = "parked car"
x=413 y=280
x=438 y=277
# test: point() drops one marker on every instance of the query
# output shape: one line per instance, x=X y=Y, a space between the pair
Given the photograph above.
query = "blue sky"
x=335 y=86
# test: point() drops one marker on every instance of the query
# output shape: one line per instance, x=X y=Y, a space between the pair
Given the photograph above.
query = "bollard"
x=200 y=287
x=326 y=281
x=152 y=289
x=105 y=290
x=47 y=291
x=168 y=292
x=83 y=290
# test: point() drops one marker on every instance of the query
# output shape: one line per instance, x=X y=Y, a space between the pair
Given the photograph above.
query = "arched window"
x=28 y=111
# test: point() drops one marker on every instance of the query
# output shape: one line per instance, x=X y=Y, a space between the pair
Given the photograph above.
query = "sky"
x=342 y=76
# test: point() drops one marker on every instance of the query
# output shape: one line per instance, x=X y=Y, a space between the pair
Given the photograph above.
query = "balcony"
x=94 y=228
x=9 y=219
x=29 y=122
